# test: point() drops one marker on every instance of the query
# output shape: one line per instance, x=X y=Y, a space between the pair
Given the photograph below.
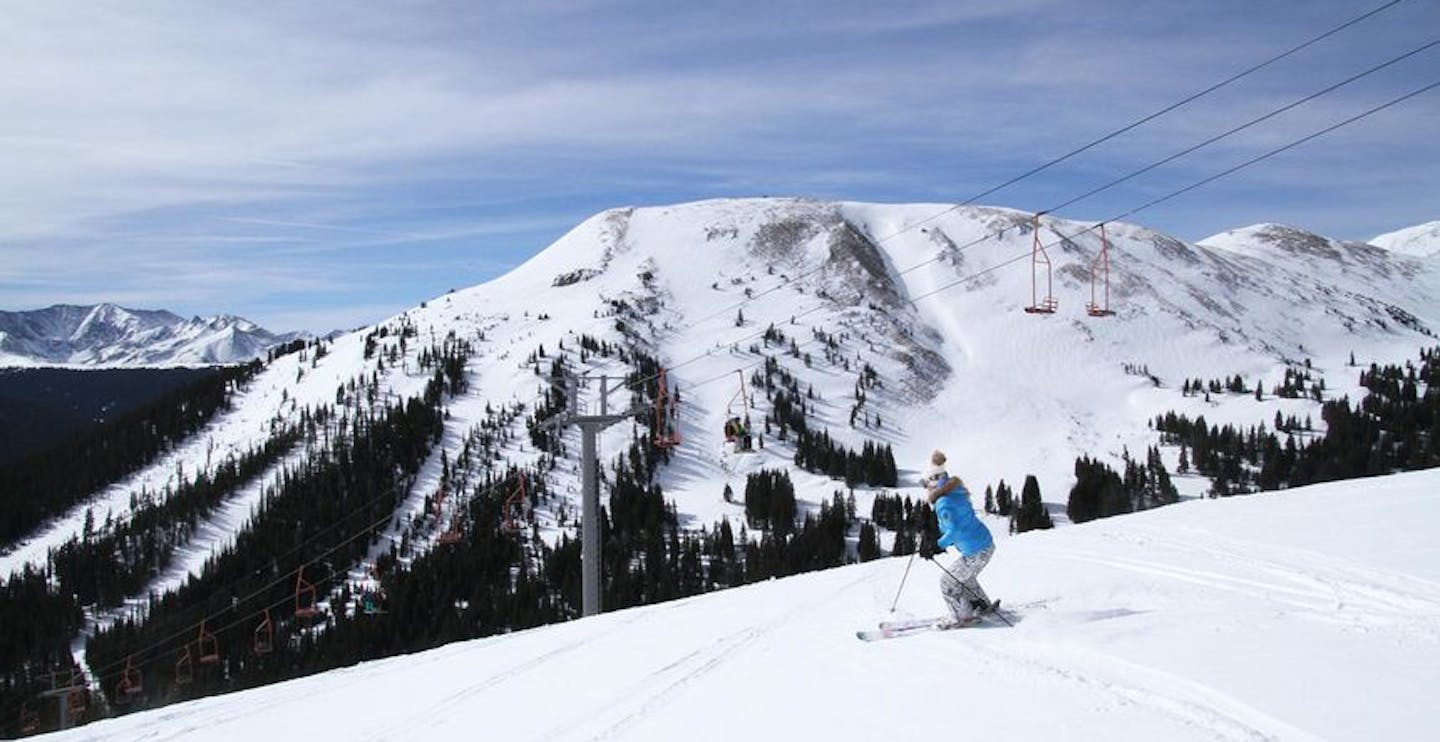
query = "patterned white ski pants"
x=959 y=586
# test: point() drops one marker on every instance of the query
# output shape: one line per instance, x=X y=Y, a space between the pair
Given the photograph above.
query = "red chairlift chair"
x=207 y=646
x=455 y=533
x=1101 y=265
x=78 y=699
x=1048 y=304
x=304 y=596
x=29 y=719
x=667 y=429
x=437 y=501
x=184 y=668
x=130 y=685
x=265 y=635
x=517 y=502
x=737 y=427
x=457 y=529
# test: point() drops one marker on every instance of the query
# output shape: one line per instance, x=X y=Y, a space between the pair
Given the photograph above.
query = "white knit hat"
x=936 y=470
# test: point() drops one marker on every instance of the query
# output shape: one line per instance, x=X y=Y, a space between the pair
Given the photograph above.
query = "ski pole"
x=902 y=582
x=967 y=589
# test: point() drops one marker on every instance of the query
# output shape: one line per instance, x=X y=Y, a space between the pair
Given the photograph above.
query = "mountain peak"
x=1420 y=241
x=107 y=334
x=1287 y=242
x=1266 y=235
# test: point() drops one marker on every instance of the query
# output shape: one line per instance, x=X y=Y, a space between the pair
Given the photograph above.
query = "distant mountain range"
x=111 y=336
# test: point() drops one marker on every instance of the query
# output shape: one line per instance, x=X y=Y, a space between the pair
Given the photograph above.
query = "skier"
x=959 y=528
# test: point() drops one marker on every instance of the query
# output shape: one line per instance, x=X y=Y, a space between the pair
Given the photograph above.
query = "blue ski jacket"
x=958 y=525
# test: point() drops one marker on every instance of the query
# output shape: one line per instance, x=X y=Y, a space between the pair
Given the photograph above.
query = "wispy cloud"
x=168 y=136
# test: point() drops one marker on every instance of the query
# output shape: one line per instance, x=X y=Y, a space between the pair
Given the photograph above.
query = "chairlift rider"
x=738 y=433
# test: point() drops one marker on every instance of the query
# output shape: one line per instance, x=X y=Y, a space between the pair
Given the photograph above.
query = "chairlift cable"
x=100 y=672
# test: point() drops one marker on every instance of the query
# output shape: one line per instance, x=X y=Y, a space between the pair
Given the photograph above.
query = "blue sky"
x=325 y=164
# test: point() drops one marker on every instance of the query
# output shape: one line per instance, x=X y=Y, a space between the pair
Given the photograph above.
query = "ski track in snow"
x=1188 y=703
x=696 y=665
x=534 y=664
x=1113 y=680
x=1324 y=587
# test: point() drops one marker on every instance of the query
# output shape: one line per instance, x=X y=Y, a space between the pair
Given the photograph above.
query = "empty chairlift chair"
x=516 y=506
x=1038 y=305
x=265 y=635
x=130 y=685
x=207 y=646
x=456 y=532
x=305 y=606
x=184 y=668
x=1100 y=268
x=78 y=699
x=29 y=719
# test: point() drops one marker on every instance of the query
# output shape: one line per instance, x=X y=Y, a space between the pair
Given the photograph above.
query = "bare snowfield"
x=1307 y=614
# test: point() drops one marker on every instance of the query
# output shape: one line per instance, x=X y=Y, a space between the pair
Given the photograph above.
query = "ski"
x=909 y=626
x=907 y=623
x=870 y=635
x=909 y=629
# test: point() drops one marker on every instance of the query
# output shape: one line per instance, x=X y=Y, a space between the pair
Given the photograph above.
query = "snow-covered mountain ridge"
x=930 y=297
x=106 y=335
x=901 y=325
x=1422 y=241
x=1312 y=614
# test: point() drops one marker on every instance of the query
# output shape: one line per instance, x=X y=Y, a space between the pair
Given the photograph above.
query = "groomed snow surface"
x=1301 y=615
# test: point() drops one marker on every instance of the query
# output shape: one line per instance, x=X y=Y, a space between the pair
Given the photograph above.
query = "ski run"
x=1309 y=614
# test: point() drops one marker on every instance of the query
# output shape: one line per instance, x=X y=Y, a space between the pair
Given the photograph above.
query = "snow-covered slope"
x=902 y=325
x=1421 y=241
x=929 y=296
x=1305 y=615
x=108 y=335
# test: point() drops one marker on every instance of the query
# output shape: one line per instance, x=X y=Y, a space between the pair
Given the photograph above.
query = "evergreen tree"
x=1031 y=514
x=770 y=501
x=1004 y=500
x=869 y=546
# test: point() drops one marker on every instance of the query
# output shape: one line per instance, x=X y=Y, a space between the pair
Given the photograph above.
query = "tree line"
x=1393 y=428
x=47 y=483
x=114 y=560
x=1101 y=492
x=322 y=512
